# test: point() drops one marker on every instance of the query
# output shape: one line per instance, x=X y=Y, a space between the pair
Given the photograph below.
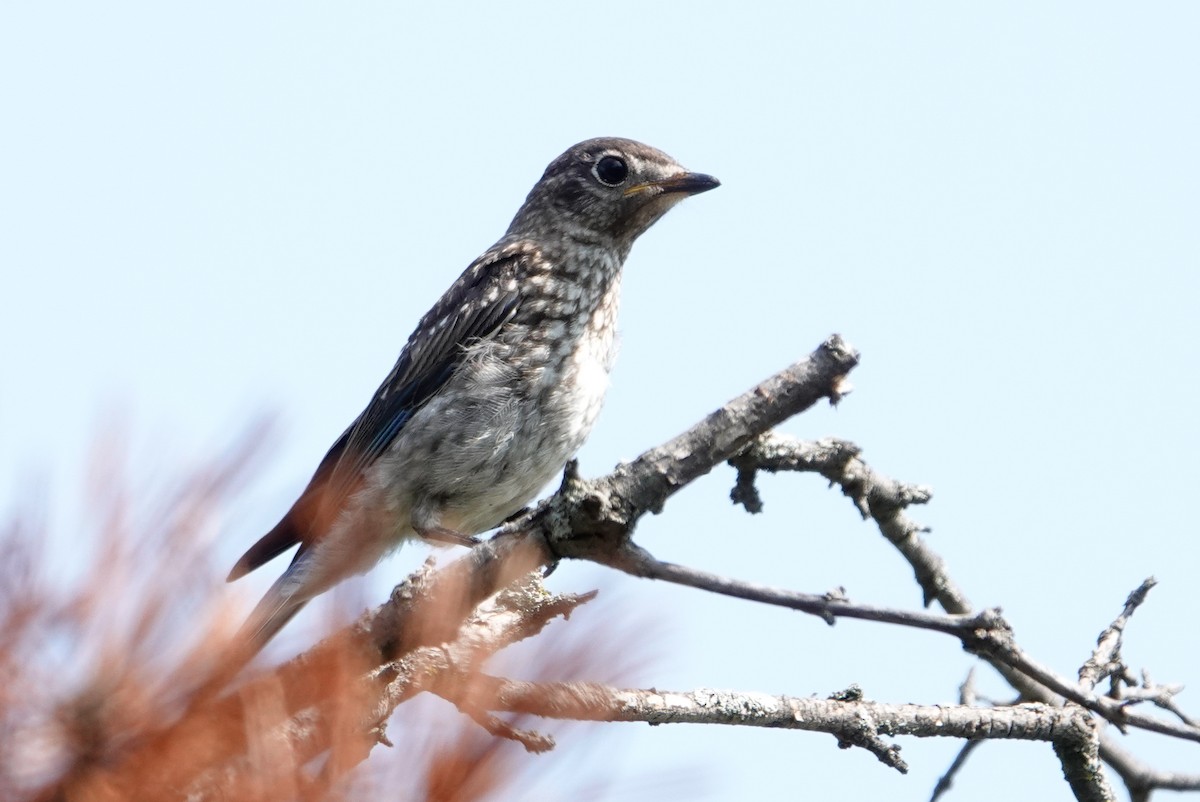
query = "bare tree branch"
x=853 y=721
x=875 y=496
x=884 y=499
x=1140 y=780
x=586 y=519
x=632 y=559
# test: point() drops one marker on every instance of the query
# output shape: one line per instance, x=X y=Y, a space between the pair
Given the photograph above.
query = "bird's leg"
x=440 y=534
x=429 y=519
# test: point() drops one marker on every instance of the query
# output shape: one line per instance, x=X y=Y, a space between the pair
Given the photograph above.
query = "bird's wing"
x=483 y=298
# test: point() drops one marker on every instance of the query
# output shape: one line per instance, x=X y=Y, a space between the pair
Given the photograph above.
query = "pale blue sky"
x=214 y=210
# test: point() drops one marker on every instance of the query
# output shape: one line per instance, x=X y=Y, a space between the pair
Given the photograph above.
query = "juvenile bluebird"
x=495 y=390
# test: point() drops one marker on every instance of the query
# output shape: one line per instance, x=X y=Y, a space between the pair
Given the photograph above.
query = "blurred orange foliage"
x=113 y=674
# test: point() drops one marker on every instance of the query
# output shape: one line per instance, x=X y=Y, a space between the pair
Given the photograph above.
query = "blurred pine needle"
x=106 y=662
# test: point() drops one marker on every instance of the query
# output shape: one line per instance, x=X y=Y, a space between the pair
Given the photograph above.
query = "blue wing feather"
x=423 y=368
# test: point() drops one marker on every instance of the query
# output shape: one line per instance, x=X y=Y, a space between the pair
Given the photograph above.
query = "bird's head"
x=607 y=190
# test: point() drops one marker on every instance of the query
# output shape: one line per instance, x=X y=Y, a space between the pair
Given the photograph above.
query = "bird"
x=495 y=390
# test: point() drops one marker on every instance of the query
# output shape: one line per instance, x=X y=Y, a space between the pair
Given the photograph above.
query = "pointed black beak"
x=689 y=183
x=684 y=183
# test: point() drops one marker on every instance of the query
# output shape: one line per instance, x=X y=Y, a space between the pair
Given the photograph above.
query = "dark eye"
x=611 y=170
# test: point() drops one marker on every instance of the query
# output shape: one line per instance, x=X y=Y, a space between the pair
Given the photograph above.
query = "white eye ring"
x=611 y=170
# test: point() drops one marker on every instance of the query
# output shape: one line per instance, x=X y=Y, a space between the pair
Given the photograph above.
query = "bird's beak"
x=685 y=183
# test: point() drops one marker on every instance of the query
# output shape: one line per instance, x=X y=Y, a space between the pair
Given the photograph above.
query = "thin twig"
x=946 y=781
x=1106 y=658
x=633 y=559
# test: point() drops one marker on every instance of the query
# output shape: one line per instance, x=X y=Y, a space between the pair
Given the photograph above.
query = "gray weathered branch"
x=884 y=500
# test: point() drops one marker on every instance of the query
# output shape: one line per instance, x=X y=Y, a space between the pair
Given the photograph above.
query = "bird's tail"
x=278 y=606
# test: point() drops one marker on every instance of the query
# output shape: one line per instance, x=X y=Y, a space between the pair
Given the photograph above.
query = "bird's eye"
x=611 y=170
